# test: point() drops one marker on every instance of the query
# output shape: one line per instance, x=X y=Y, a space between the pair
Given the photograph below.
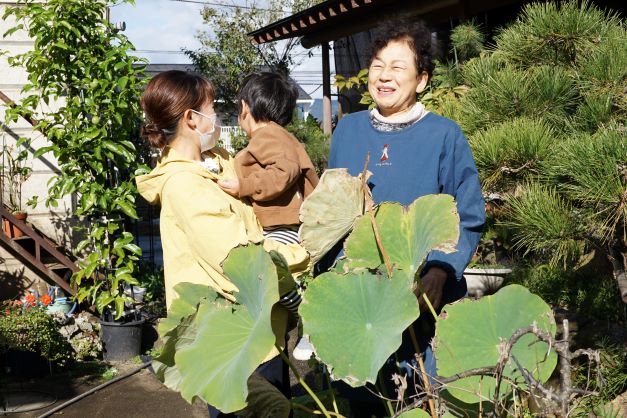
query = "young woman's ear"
x=422 y=83
x=188 y=120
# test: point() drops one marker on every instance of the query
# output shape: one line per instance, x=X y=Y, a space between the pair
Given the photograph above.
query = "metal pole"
x=326 y=89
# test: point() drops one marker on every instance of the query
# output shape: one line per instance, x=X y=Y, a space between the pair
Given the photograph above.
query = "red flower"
x=8 y=312
x=30 y=298
x=45 y=300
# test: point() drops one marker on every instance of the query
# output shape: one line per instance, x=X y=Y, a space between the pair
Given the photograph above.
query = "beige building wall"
x=54 y=222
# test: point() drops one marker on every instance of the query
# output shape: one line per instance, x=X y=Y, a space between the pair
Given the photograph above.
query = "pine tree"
x=545 y=116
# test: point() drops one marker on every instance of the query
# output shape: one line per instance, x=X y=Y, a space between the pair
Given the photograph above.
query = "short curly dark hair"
x=415 y=33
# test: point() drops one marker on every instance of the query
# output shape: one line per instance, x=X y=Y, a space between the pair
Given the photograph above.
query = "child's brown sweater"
x=275 y=171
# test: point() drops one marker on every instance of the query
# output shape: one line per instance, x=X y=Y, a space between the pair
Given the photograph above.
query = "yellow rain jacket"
x=200 y=224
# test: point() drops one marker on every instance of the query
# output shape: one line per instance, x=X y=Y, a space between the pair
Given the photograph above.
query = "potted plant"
x=489 y=265
x=15 y=173
x=29 y=336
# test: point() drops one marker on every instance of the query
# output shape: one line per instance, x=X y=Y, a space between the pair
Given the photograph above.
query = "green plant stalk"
x=302 y=382
x=386 y=401
x=326 y=375
x=313 y=411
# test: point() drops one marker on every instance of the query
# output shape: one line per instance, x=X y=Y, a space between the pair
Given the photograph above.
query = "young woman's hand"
x=230 y=186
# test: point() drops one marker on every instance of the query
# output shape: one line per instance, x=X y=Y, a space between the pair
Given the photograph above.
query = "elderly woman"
x=413 y=152
x=200 y=223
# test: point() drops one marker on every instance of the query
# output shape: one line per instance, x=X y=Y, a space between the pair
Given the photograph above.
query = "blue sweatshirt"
x=431 y=156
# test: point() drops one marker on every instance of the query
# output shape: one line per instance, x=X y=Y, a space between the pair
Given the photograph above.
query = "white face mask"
x=208 y=140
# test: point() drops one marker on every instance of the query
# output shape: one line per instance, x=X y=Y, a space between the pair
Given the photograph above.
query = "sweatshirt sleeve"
x=279 y=169
x=459 y=178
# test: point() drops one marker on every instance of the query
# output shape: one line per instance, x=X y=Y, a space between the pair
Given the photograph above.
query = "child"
x=274 y=170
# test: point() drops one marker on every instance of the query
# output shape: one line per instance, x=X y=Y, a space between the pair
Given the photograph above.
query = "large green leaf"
x=407 y=234
x=178 y=337
x=355 y=321
x=415 y=413
x=231 y=339
x=331 y=210
x=189 y=295
x=474 y=332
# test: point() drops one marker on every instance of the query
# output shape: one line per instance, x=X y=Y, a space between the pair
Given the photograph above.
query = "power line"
x=234 y=6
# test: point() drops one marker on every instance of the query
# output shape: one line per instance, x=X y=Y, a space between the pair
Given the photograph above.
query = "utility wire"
x=233 y=6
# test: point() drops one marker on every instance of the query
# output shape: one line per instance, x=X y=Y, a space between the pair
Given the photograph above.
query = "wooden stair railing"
x=38 y=250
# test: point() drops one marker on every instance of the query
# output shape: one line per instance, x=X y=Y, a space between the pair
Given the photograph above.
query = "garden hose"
x=93 y=390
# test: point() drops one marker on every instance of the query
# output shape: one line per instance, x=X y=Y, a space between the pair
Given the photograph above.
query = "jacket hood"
x=151 y=185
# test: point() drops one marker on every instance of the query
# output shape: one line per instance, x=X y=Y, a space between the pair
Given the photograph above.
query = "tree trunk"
x=619 y=259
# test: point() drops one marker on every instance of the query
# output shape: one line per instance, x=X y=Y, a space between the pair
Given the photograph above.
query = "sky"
x=160 y=28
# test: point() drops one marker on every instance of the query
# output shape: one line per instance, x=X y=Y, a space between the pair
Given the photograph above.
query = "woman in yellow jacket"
x=199 y=222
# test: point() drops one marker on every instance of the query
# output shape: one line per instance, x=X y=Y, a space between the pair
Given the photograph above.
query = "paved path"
x=138 y=396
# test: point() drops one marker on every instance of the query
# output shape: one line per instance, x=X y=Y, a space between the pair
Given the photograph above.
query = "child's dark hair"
x=415 y=33
x=271 y=97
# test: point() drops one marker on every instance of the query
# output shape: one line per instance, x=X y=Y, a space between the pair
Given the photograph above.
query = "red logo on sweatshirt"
x=384 y=155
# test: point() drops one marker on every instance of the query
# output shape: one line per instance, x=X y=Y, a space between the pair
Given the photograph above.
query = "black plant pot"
x=121 y=340
x=25 y=364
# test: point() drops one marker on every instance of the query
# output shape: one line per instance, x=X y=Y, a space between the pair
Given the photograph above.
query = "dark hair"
x=168 y=95
x=271 y=97
x=418 y=38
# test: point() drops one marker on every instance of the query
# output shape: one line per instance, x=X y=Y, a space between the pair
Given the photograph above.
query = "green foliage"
x=467 y=40
x=542 y=221
x=80 y=62
x=555 y=34
x=408 y=234
x=227 y=54
x=357 y=313
x=473 y=334
x=592 y=170
x=546 y=119
x=610 y=380
x=15 y=170
x=589 y=291
x=510 y=152
x=415 y=413
x=32 y=329
x=316 y=142
x=357 y=82
x=377 y=304
x=208 y=333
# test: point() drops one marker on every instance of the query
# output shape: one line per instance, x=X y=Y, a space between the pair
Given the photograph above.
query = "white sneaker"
x=303 y=350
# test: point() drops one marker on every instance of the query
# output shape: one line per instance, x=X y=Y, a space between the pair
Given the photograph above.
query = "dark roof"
x=154 y=69
x=334 y=19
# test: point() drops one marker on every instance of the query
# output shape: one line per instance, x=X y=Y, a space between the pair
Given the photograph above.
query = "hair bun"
x=154 y=135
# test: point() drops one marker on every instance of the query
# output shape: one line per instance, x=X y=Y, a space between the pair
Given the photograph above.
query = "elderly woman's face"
x=393 y=78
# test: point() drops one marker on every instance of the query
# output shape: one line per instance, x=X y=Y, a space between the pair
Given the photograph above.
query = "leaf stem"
x=423 y=371
x=302 y=382
x=326 y=375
